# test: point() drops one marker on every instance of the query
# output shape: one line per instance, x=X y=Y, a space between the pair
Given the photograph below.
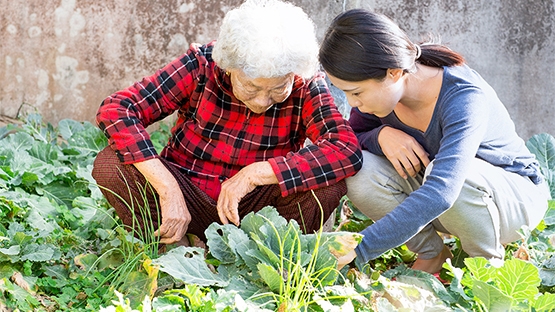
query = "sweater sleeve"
x=335 y=153
x=463 y=116
x=367 y=127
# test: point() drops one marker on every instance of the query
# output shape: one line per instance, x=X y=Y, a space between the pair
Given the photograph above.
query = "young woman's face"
x=260 y=94
x=372 y=96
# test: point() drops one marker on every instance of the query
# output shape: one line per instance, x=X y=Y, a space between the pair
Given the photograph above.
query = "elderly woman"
x=246 y=104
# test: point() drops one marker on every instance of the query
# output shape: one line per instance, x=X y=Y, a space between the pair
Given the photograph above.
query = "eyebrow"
x=350 y=90
x=282 y=85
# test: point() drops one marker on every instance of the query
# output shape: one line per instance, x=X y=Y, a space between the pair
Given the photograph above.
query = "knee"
x=376 y=172
x=105 y=166
x=330 y=196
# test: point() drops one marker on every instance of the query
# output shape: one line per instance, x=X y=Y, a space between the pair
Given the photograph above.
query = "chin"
x=259 y=110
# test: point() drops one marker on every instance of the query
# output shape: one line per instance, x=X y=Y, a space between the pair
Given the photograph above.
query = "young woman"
x=440 y=150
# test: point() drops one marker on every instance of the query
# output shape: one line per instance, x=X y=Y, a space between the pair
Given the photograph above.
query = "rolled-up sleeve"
x=125 y=115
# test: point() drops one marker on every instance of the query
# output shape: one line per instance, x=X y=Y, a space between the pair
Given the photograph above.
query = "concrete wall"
x=61 y=58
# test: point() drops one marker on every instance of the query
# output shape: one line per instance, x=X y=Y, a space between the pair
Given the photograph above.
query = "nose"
x=263 y=100
x=353 y=102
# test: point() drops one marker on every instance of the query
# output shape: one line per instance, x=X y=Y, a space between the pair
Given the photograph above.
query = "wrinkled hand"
x=346 y=259
x=403 y=151
x=242 y=183
x=175 y=218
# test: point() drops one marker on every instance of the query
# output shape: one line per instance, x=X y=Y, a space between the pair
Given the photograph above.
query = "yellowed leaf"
x=344 y=243
x=17 y=278
x=152 y=271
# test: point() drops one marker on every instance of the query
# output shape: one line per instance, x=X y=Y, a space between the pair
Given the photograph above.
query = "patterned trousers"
x=127 y=190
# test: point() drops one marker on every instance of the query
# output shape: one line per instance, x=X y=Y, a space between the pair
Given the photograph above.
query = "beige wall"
x=62 y=58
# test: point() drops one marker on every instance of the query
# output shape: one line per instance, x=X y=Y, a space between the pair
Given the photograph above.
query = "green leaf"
x=187 y=264
x=421 y=279
x=547 y=272
x=22 y=299
x=37 y=221
x=549 y=217
x=518 y=279
x=271 y=277
x=36 y=253
x=12 y=251
x=19 y=141
x=270 y=256
x=480 y=268
x=263 y=222
x=493 y=298
x=83 y=140
x=545 y=302
x=223 y=240
x=543 y=146
x=63 y=193
x=68 y=128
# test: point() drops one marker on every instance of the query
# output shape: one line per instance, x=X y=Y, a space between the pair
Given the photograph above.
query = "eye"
x=280 y=90
x=355 y=93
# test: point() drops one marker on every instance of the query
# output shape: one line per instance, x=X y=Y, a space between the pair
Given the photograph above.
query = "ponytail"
x=437 y=55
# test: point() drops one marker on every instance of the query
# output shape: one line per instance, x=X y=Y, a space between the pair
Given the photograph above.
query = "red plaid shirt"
x=216 y=135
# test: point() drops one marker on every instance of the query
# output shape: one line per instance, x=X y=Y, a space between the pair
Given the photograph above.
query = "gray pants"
x=492 y=206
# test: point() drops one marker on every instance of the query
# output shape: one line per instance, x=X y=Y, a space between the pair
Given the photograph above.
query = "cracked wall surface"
x=61 y=58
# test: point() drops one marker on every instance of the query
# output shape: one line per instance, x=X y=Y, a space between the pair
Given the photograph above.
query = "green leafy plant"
x=61 y=247
x=266 y=260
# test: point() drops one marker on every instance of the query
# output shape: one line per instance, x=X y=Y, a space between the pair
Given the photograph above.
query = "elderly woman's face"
x=260 y=94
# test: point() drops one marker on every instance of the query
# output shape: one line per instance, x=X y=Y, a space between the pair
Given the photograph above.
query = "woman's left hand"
x=403 y=151
x=242 y=183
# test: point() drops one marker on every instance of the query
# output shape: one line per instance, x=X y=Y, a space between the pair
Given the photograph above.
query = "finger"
x=399 y=168
x=415 y=165
x=424 y=159
x=422 y=155
x=409 y=166
x=221 y=212
x=233 y=214
x=161 y=231
x=173 y=239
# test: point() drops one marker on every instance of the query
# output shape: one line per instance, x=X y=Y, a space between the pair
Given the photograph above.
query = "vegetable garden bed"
x=63 y=249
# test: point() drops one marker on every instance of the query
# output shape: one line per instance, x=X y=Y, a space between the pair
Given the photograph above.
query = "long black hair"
x=360 y=45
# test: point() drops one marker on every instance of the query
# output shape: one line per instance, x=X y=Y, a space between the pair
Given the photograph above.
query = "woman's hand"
x=175 y=215
x=175 y=218
x=403 y=151
x=242 y=183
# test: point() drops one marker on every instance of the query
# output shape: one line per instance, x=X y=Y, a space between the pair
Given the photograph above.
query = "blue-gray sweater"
x=469 y=121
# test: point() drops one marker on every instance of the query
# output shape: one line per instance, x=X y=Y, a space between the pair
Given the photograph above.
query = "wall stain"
x=526 y=26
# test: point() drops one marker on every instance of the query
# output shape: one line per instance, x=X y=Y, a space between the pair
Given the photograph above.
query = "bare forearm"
x=158 y=176
x=261 y=173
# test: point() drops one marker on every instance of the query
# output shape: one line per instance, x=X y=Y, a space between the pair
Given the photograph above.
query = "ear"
x=394 y=73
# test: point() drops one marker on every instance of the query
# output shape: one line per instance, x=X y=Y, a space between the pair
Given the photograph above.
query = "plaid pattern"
x=216 y=135
x=125 y=189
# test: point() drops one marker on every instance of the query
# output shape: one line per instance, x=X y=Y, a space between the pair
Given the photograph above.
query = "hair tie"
x=418 y=51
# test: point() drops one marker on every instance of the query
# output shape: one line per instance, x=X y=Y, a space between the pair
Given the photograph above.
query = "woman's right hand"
x=175 y=215
x=175 y=218
x=403 y=151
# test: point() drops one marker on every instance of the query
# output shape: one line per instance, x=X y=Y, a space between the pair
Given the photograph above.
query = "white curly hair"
x=267 y=39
